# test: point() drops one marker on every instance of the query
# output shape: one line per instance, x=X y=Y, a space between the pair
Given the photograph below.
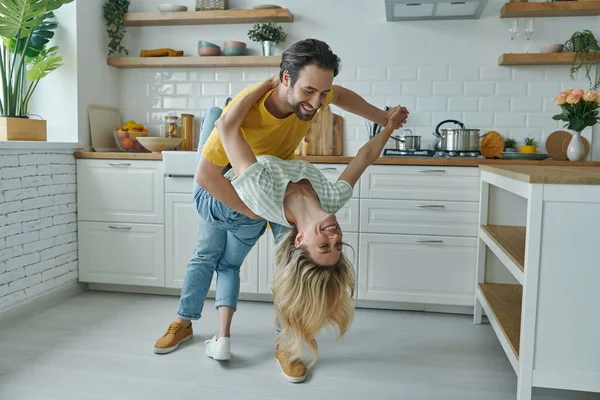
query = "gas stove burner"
x=465 y=154
x=408 y=153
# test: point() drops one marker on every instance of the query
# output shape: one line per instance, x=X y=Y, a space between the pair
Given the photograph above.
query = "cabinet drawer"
x=347 y=216
x=333 y=172
x=417 y=269
x=419 y=217
x=126 y=254
x=120 y=191
x=421 y=183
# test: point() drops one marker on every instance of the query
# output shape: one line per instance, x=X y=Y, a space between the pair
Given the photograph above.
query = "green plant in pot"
x=529 y=146
x=587 y=52
x=114 y=14
x=26 y=27
x=268 y=34
x=510 y=145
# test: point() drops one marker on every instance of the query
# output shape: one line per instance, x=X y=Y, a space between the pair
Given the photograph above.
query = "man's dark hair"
x=306 y=52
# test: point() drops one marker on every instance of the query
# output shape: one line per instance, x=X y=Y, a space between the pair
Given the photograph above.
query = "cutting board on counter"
x=325 y=135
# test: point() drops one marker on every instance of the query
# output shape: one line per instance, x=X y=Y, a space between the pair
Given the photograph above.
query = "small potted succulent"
x=510 y=145
x=268 y=34
x=530 y=146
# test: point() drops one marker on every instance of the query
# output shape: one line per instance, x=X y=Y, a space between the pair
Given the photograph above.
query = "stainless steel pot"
x=407 y=142
x=457 y=139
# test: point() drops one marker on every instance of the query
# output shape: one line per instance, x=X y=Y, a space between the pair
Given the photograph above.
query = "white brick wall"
x=38 y=238
x=517 y=102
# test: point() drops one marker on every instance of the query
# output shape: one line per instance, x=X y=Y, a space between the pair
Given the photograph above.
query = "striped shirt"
x=263 y=185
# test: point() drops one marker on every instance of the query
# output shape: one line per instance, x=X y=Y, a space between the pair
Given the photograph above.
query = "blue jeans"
x=225 y=237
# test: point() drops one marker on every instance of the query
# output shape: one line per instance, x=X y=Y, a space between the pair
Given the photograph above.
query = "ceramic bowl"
x=202 y=43
x=552 y=48
x=209 y=51
x=171 y=8
x=158 y=144
x=233 y=43
x=234 y=51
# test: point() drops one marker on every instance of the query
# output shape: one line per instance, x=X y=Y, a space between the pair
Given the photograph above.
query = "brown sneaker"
x=175 y=335
x=294 y=371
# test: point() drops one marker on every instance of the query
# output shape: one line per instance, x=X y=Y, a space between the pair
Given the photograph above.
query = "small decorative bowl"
x=158 y=144
x=234 y=51
x=202 y=43
x=209 y=51
x=552 y=48
x=171 y=8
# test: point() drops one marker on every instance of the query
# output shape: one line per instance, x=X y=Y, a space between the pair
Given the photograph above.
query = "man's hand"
x=399 y=119
x=274 y=80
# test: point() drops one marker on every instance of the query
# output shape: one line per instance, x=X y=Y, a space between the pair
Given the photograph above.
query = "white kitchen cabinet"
x=121 y=253
x=417 y=269
x=333 y=172
x=120 y=191
x=181 y=226
x=267 y=264
x=120 y=215
x=420 y=183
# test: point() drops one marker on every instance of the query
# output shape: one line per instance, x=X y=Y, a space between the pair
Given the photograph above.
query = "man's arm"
x=236 y=147
x=370 y=151
x=348 y=100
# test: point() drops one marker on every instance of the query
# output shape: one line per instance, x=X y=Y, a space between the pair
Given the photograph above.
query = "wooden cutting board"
x=325 y=135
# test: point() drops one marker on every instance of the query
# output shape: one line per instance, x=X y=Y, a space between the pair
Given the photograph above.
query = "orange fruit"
x=122 y=135
x=127 y=144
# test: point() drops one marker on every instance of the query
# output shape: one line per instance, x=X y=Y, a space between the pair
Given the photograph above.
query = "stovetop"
x=431 y=153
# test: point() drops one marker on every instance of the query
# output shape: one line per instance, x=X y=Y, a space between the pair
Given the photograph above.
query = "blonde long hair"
x=308 y=296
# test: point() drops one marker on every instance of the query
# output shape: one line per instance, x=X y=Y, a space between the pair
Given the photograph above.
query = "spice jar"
x=187 y=132
x=170 y=129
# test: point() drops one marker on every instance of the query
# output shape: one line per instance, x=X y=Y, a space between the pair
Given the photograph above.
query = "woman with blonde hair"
x=314 y=282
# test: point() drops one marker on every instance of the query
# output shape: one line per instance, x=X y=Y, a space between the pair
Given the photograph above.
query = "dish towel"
x=165 y=52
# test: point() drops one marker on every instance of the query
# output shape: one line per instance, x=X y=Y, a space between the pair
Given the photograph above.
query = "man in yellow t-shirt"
x=274 y=126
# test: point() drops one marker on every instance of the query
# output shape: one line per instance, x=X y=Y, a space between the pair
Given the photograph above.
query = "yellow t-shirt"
x=265 y=134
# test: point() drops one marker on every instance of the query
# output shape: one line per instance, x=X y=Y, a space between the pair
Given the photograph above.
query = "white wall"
x=55 y=98
x=439 y=69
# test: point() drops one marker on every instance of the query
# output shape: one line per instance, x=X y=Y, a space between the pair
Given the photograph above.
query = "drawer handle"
x=125 y=164
x=426 y=171
x=328 y=169
x=420 y=241
x=431 y=206
x=120 y=227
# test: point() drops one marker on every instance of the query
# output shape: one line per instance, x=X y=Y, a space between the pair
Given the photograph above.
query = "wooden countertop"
x=550 y=174
x=434 y=161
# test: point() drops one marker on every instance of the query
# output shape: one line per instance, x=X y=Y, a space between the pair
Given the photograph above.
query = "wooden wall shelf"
x=565 y=58
x=209 y=17
x=550 y=9
x=193 y=62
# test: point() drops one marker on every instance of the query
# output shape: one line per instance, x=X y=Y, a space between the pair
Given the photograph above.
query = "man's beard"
x=297 y=109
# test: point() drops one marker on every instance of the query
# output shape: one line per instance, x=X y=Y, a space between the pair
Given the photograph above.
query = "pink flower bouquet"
x=579 y=108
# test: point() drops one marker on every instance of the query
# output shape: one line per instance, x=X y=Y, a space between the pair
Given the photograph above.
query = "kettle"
x=438 y=135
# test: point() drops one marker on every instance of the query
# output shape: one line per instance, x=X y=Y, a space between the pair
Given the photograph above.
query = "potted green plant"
x=530 y=146
x=26 y=27
x=268 y=34
x=114 y=13
x=587 y=50
x=510 y=145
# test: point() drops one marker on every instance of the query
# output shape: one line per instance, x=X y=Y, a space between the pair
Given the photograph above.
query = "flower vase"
x=268 y=48
x=576 y=149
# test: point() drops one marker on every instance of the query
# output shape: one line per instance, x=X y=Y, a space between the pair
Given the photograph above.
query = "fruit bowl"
x=158 y=144
x=128 y=141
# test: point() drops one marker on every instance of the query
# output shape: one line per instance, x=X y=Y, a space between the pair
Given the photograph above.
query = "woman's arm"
x=371 y=150
x=236 y=147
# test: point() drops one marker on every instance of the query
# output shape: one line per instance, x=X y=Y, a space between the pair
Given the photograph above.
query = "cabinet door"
x=267 y=249
x=127 y=254
x=181 y=226
x=333 y=172
x=417 y=269
x=120 y=191
x=420 y=183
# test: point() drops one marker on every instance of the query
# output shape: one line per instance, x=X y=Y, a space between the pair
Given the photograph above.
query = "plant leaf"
x=20 y=17
x=557 y=117
x=45 y=63
x=55 y=4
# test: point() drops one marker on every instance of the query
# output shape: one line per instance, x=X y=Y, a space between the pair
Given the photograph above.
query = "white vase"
x=575 y=150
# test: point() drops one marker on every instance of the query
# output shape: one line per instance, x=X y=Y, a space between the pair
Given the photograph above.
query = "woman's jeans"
x=225 y=237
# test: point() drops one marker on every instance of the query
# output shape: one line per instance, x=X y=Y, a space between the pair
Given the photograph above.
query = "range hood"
x=415 y=10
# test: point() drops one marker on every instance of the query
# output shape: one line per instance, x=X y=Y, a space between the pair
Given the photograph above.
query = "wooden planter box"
x=24 y=129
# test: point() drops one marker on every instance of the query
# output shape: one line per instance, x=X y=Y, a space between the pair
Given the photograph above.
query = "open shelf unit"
x=565 y=58
x=538 y=320
x=191 y=62
x=550 y=9
x=212 y=17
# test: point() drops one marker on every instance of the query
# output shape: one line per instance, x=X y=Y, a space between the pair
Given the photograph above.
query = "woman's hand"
x=398 y=119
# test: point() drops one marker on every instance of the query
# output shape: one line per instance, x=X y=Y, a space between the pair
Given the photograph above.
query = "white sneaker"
x=218 y=349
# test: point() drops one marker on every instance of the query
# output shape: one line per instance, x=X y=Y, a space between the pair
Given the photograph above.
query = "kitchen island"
x=546 y=315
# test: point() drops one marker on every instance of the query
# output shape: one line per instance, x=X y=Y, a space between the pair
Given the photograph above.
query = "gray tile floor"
x=98 y=345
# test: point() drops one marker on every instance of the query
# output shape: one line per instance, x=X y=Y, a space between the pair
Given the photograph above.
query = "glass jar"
x=171 y=126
